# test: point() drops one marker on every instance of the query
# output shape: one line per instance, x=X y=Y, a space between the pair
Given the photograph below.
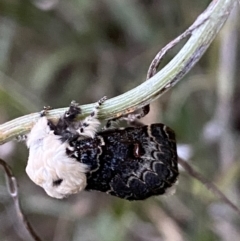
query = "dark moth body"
x=132 y=163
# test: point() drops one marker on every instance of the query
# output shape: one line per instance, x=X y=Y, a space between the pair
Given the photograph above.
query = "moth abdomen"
x=131 y=163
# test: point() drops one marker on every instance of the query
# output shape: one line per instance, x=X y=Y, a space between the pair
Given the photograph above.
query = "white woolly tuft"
x=48 y=162
x=91 y=129
x=39 y=131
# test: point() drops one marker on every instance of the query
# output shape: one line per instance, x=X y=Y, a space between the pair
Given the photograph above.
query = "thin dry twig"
x=209 y=185
x=152 y=70
x=13 y=191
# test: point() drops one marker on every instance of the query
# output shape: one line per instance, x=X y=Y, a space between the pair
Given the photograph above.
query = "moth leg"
x=45 y=110
x=65 y=124
x=90 y=124
x=132 y=119
x=110 y=123
x=95 y=111
x=44 y=113
x=21 y=138
x=73 y=111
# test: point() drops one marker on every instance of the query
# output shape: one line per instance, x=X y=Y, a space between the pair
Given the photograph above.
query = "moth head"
x=49 y=166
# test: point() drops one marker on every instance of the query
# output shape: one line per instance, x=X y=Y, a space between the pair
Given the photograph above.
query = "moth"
x=69 y=156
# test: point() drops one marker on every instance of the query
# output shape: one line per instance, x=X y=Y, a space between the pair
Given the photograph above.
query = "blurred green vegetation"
x=52 y=52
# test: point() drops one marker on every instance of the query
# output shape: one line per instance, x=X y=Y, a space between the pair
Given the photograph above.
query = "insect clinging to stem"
x=69 y=156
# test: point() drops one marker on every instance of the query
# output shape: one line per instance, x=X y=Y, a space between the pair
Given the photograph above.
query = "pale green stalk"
x=214 y=17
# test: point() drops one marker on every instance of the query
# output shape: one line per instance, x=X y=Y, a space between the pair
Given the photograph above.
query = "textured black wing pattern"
x=131 y=163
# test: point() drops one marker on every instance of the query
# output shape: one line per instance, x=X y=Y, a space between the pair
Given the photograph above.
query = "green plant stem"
x=215 y=15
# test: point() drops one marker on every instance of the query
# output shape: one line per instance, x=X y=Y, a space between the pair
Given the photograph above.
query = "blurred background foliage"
x=52 y=52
